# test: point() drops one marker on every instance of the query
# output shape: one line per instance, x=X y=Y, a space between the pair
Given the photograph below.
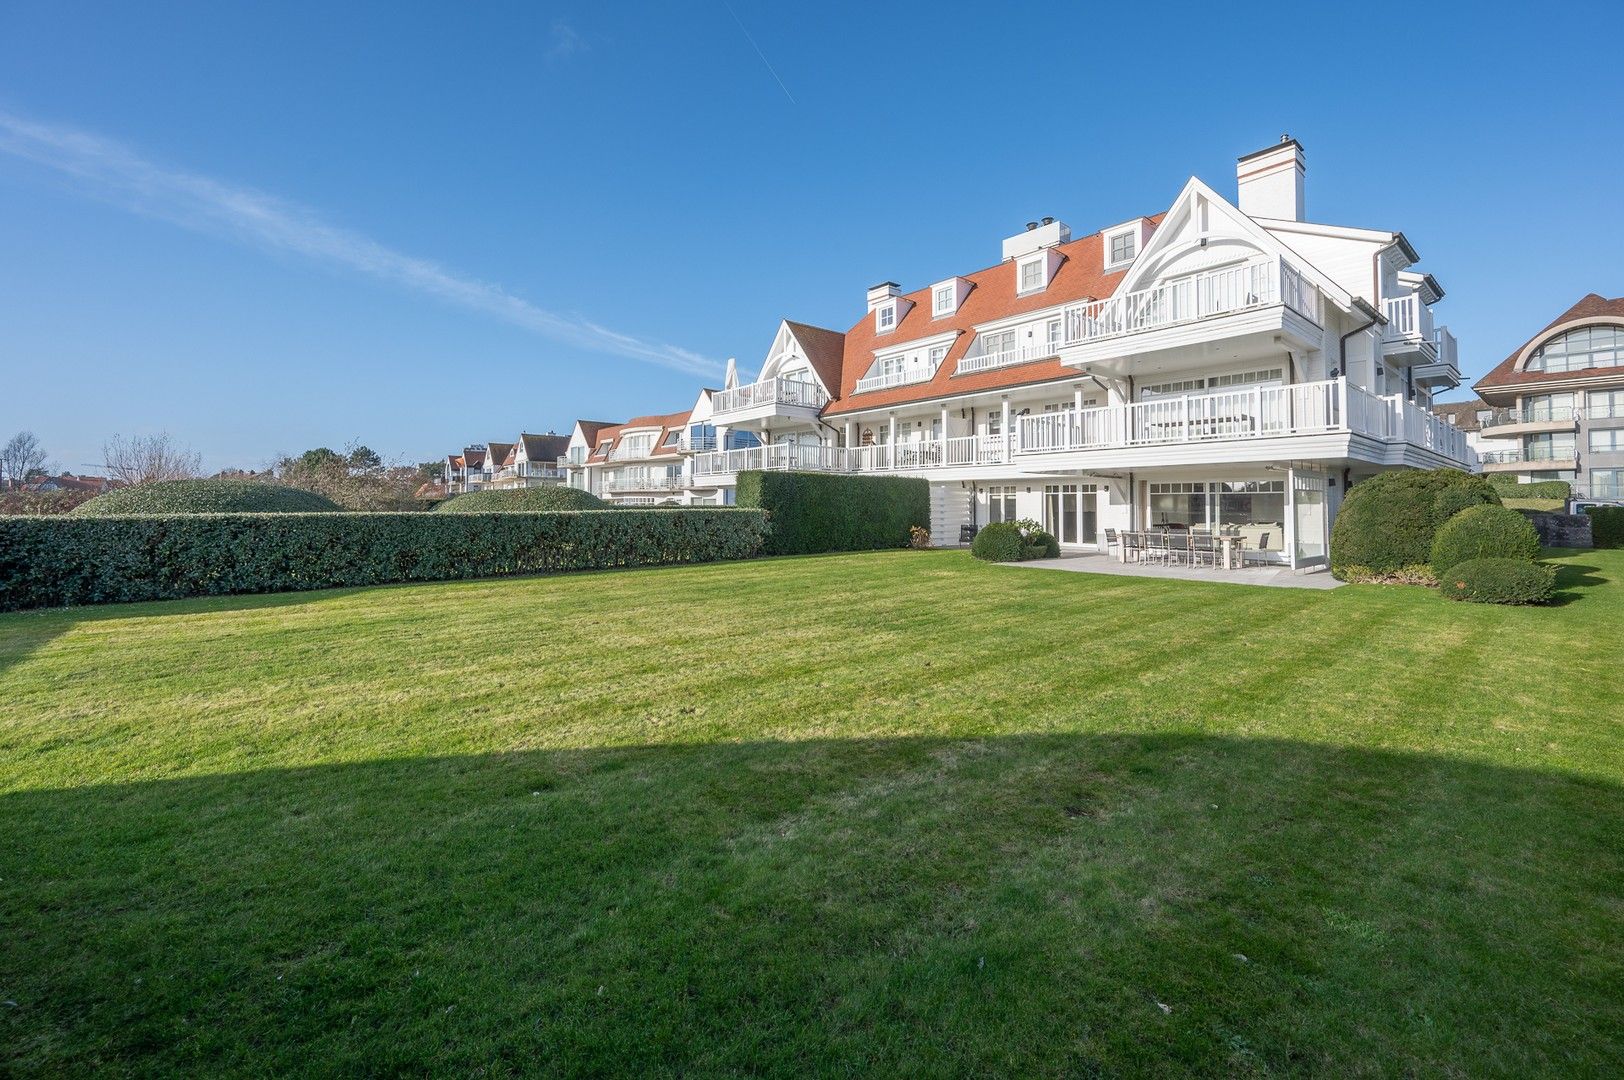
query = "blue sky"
x=288 y=225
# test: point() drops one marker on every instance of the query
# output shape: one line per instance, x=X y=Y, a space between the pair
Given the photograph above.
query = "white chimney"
x=1037 y=236
x=879 y=294
x=1269 y=183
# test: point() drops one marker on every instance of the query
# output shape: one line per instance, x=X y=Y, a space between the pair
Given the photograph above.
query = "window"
x=1484 y=416
x=1032 y=275
x=1000 y=504
x=1002 y=341
x=1586 y=347
x=1122 y=248
x=1604 y=404
x=673 y=438
x=1550 y=447
x=995 y=422
x=938 y=353
x=1548 y=407
x=944 y=299
x=1053 y=334
x=1607 y=483
x=741 y=440
x=702 y=437
x=1607 y=441
x=886 y=317
x=890 y=365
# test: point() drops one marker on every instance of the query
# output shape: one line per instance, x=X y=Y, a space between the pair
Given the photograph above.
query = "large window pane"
x=1254 y=510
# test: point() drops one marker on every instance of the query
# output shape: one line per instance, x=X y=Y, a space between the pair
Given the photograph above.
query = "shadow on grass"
x=1573 y=580
x=1054 y=905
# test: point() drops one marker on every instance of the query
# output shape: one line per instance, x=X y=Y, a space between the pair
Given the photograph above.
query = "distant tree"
x=146 y=459
x=357 y=478
x=21 y=456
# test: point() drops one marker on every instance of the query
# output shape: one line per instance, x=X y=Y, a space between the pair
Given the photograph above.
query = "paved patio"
x=1279 y=577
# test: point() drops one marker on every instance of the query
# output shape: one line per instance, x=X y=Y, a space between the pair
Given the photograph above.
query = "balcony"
x=1257 y=299
x=641 y=481
x=1021 y=354
x=959 y=451
x=771 y=397
x=906 y=377
x=1529 y=420
x=1329 y=407
x=1531 y=459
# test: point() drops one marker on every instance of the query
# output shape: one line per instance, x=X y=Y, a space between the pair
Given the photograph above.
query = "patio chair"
x=1178 y=547
x=1203 y=550
x=1133 y=547
x=1110 y=540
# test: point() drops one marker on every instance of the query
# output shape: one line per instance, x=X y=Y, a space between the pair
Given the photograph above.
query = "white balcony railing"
x=1313 y=408
x=907 y=376
x=795 y=392
x=880 y=457
x=1408 y=319
x=1215 y=293
x=645 y=481
x=1021 y=354
x=1444 y=347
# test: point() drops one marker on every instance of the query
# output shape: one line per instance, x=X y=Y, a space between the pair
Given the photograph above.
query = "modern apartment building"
x=1558 y=402
x=1224 y=365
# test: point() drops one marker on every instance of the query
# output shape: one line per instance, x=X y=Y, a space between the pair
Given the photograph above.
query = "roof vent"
x=1048 y=221
x=1030 y=225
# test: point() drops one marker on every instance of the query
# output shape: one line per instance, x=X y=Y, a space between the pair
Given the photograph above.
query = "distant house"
x=90 y=485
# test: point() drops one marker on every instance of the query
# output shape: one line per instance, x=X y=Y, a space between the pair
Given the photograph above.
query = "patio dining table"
x=1230 y=548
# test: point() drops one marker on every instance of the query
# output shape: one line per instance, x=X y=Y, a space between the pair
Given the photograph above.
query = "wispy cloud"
x=114 y=172
x=565 y=41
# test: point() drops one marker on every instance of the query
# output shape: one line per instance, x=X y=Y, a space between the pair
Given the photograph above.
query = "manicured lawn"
x=898 y=814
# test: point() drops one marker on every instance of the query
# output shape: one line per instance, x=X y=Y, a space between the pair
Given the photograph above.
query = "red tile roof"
x=1505 y=373
x=992 y=296
x=824 y=351
x=666 y=423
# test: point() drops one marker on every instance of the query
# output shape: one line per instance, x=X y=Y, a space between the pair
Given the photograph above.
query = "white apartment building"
x=1223 y=365
x=532 y=461
x=1557 y=403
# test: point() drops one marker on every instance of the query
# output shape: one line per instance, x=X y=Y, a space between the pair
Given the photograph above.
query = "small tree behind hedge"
x=1387 y=523
x=1483 y=532
x=219 y=496
x=815 y=512
x=1499 y=581
x=521 y=500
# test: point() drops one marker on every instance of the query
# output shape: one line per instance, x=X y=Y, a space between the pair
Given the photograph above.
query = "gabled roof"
x=474 y=456
x=824 y=350
x=991 y=297
x=590 y=428
x=498 y=453
x=1464 y=413
x=545 y=447
x=664 y=423
x=1592 y=307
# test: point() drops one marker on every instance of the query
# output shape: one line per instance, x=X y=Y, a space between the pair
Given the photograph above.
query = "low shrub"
x=207 y=497
x=999 y=542
x=1041 y=545
x=815 y=512
x=1483 y=532
x=1499 y=581
x=1418 y=574
x=521 y=501
x=918 y=538
x=52 y=561
x=1388 y=522
x=1509 y=488
x=1606 y=525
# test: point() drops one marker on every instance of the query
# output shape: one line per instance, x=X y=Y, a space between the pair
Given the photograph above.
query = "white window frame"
x=937 y=354
x=941 y=302
x=1131 y=235
x=1054 y=333
x=885 y=318
x=1041 y=263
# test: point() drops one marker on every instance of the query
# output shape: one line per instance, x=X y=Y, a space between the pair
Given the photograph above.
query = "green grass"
x=899 y=814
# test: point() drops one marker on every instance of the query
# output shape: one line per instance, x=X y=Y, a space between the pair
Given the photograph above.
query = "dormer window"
x=885 y=317
x=942 y=299
x=1032 y=275
x=1120 y=248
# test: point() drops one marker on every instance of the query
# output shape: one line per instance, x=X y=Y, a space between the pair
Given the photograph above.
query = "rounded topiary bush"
x=999 y=542
x=522 y=500
x=1499 y=581
x=207 y=497
x=1483 y=532
x=1387 y=523
x=1041 y=545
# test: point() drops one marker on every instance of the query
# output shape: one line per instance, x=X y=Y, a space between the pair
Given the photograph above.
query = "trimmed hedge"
x=814 y=512
x=999 y=542
x=1388 y=523
x=521 y=500
x=1606 y=525
x=207 y=497
x=1499 y=581
x=1538 y=489
x=48 y=562
x=1483 y=532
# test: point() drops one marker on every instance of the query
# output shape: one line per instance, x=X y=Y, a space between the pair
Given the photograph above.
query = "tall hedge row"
x=513 y=500
x=813 y=512
x=1510 y=488
x=1607 y=525
x=51 y=561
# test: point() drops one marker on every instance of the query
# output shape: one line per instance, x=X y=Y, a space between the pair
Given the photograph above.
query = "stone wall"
x=1561 y=530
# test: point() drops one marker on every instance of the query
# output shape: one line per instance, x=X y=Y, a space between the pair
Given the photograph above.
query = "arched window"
x=1586 y=347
